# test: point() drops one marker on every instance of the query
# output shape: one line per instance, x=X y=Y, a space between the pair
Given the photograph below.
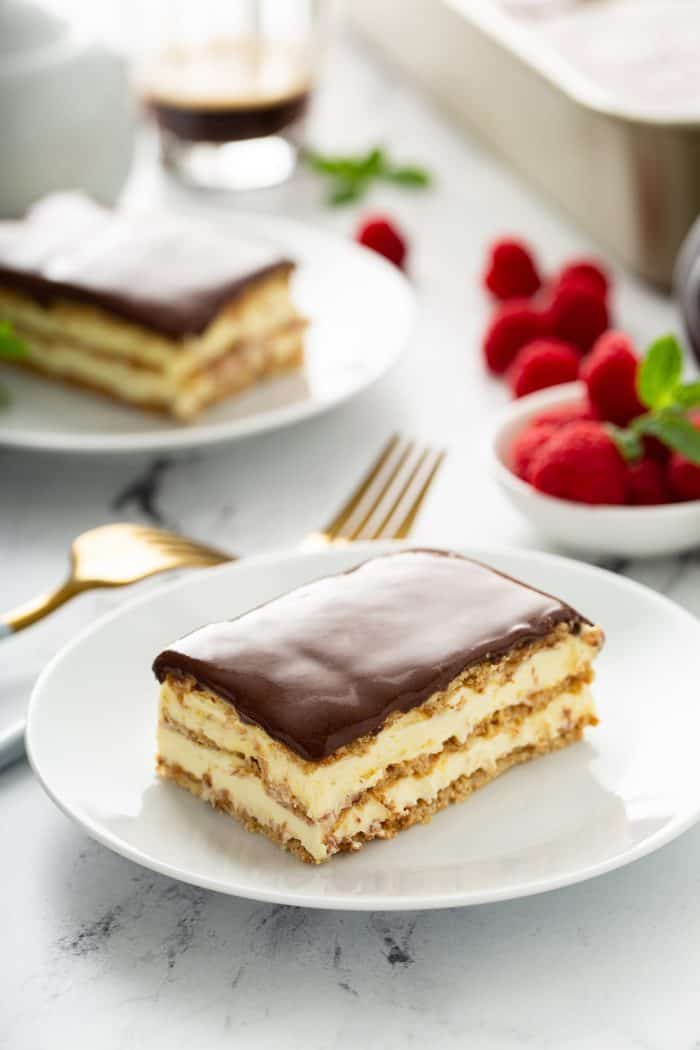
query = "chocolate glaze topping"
x=156 y=271
x=327 y=663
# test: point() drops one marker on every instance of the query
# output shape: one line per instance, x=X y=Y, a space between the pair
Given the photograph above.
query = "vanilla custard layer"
x=219 y=773
x=320 y=788
x=264 y=307
x=180 y=394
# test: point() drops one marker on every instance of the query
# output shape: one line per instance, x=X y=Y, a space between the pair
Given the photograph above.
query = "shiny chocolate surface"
x=329 y=662
x=156 y=271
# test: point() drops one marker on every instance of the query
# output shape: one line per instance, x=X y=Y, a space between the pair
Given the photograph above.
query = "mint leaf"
x=11 y=346
x=687 y=395
x=350 y=177
x=676 y=431
x=373 y=164
x=344 y=192
x=350 y=168
x=628 y=443
x=409 y=176
x=342 y=167
x=660 y=372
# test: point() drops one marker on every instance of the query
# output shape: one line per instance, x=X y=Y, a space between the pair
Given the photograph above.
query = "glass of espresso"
x=228 y=83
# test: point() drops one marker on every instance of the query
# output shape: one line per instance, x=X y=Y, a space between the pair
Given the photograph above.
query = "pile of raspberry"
x=541 y=330
x=545 y=333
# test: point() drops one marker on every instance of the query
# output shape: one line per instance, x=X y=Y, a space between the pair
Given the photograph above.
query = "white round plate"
x=361 y=310
x=632 y=786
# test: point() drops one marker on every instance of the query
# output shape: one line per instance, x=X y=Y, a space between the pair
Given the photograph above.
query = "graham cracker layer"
x=511 y=717
x=530 y=675
x=479 y=678
x=421 y=813
x=258 y=334
x=230 y=374
x=262 y=307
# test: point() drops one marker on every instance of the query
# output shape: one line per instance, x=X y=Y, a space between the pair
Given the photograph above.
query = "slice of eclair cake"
x=158 y=312
x=365 y=702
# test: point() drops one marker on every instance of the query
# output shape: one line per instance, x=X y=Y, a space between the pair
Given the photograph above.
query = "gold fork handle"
x=37 y=608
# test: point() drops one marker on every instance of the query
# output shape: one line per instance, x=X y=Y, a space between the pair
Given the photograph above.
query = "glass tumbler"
x=228 y=83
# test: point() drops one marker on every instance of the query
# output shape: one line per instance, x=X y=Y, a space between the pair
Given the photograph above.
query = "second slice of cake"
x=160 y=313
x=362 y=703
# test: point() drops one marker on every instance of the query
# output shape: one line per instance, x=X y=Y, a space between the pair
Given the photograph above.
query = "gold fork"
x=114 y=556
x=386 y=502
x=383 y=506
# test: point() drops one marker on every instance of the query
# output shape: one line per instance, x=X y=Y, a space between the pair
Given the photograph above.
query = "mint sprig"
x=687 y=395
x=350 y=177
x=660 y=373
x=676 y=431
x=11 y=348
x=668 y=400
x=629 y=443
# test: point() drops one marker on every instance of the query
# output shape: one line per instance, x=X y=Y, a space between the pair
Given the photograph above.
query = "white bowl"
x=639 y=532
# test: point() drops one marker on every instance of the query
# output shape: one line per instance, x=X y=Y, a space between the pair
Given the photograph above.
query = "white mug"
x=66 y=110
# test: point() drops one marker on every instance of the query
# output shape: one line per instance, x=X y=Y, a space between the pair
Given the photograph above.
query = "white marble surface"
x=97 y=952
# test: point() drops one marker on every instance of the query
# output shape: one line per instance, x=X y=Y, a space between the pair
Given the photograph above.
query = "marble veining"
x=143 y=492
x=98 y=952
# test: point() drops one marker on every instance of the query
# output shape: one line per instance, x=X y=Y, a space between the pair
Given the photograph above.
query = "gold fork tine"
x=391 y=497
x=376 y=494
x=401 y=528
x=184 y=547
x=332 y=529
x=162 y=538
x=114 y=556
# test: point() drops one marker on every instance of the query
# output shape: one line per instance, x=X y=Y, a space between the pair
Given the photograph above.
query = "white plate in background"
x=361 y=311
x=631 y=787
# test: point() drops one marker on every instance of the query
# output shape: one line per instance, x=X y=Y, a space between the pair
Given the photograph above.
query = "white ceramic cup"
x=66 y=111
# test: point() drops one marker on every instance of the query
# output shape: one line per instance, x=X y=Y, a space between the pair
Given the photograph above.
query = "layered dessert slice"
x=363 y=703
x=157 y=312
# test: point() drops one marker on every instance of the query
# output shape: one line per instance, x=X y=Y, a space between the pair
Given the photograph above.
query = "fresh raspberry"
x=382 y=236
x=586 y=273
x=511 y=271
x=646 y=483
x=543 y=363
x=577 y=315
x=526 y=444
x=683 y=477
x=580 y=462
x=512 y=326
x=560 y=415
x=610 y=374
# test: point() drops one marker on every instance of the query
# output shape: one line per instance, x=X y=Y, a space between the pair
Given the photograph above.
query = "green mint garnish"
x=629 y=444
x=675 y=430
x=11 y=347
x=668 y=400
x=409 y=176
x=349 y=177
x=660 y=373
x=687 y=395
